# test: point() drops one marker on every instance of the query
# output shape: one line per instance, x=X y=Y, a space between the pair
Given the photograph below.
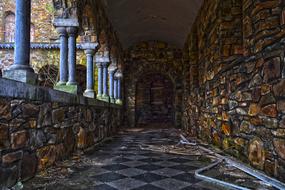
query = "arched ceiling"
x=143 y=20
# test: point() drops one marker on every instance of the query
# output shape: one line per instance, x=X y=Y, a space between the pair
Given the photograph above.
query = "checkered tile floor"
x=122 y=165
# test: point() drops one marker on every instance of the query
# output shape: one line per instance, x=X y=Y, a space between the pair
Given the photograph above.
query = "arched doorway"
x=154 y=101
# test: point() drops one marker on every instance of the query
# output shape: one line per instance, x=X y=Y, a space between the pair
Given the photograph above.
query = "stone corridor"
x=142 y=94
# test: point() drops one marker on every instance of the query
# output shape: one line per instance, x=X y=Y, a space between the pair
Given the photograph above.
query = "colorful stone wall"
x=152 y=57
x=41 y=18
x=45 y=127
x=44 y=32
x=234 y=98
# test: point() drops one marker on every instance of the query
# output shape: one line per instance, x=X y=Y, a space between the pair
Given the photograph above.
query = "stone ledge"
x=19 y=90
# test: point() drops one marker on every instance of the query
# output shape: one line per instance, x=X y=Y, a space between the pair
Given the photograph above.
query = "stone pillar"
x=67 y=29
x=90 y=51
x=115 y=89
x=102 y=63
x=100 y=80
x=72 y=34
x=105 y=81
x=111 y=69
x=21 y=69
x=119 y=77
x=63 y=69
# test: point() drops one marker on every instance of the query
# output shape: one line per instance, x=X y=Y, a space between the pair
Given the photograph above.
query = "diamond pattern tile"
x=137 y=157
x=121 y=160
x=150 y=160
x=185 y=168
x=121 y=165
x=108 y=177
x=187 y=177
x=126 y=184
x=104 y=187
x=170 y=184
x=149 y=167
x=179 y=160
x=168 y=172
x=133 y=163
x=148 y=187
x=149 y=177
x=130 y=172
x=166 y=164
x=115 y=167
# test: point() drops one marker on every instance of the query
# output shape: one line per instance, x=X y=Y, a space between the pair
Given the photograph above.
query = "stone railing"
x=39 y=126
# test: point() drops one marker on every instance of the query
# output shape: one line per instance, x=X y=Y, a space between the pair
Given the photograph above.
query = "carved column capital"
x=61 y=30
x=72 y=30
x=119 y=74
x=112 y=69
x=105 y=64
x=99 y=65
x=89 y=48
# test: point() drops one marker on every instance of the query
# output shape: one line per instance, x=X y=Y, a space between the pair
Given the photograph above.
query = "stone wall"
x=235 y=97
x=152 y=57
x=40 y=126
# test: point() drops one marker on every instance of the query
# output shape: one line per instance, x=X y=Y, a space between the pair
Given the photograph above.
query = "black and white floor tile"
x=122 y=165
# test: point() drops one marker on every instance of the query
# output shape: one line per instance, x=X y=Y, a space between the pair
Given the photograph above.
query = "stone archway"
x=154 y=101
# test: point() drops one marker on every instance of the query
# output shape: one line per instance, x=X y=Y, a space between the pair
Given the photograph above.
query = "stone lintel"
x=25 y=76
x=69 y=22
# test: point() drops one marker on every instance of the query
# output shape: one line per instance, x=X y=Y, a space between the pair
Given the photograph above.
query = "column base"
x=60 y=83
x=26 y=76
x=99 y=96
x=120 y=102
x=89 y=94
x=103 y=97
x=72 y=89
x=112 y=100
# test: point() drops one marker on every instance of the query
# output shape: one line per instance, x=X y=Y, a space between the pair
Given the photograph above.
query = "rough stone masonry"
x=234 y=87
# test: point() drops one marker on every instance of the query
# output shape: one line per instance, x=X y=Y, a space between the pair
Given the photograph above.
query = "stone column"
x=63 y=69
x=102 y=63
x=119 y=77
x=100 y=80
x=111 y=69
x=72 y=34
x=115 y=89
x=105 y=81
x=90 y=51
x=21 y=69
